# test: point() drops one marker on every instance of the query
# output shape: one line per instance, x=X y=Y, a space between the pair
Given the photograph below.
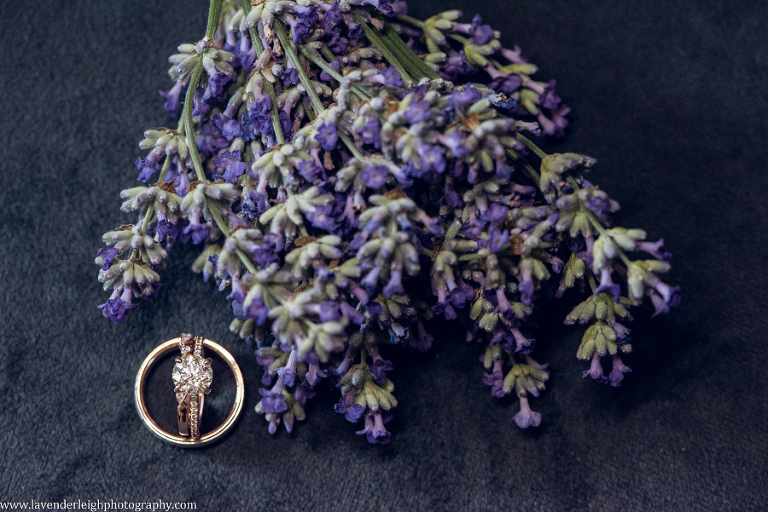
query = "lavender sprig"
x=331 y=159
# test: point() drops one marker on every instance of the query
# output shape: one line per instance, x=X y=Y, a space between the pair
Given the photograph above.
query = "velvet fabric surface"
x=668 y=95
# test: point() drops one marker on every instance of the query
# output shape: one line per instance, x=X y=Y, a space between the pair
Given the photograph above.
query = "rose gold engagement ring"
x=192 y=376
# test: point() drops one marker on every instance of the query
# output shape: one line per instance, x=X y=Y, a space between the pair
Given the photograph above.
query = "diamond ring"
x=192 y=376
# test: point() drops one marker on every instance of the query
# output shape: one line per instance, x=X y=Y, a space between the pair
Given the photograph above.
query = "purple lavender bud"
x=374 y=308
x=595 y=370
x=329 y=311
x=290 y=76
x=371 y=133
x=289 y=375
x=506 y=84
x=106 y=255
x=374 y=176
x=211 y=140
x=618 y=371
x=321 y=217
x=260 y=114
x=327 y=136
x=310 y=171
x=351 y=411
x=199 y=233
x=273 y=403
x=230 y=128
x=338 y=45
x=354 y=316
x=608 y=286
x=507 y=105
x=307 y=16
x=378 y=368
x=232 y=165
x=391 y=77
x=548 y=98
x=601 y=205
x=481 y=34
x=557 y=264
x=257 y=311
x=199 y=106
x=454 y=141
x=526 y=417
x=456 y=65
x=526 y=290
x=667 y=297
x=417 y=112
x=421 y=340
x=172 y=97
x=332 y=19
x=496 y=381
x=495 y=214
x=166 y=229
x=146 y=168
x=117 y=307
x=382 y=5
x=654 y=249
x=395 y=284
x=432 y=158
x=216 y=84
x=460 y=99
x=374 y=429
x=497 y=239
x=397 y=333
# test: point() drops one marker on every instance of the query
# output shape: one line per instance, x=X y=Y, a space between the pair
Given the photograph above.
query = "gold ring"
x=179 y=440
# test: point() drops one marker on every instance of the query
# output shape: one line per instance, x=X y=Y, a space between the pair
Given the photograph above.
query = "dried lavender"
x=332 y=159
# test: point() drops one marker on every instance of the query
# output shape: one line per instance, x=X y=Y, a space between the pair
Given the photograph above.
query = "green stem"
x=291 y=54
x=410 y=20
x=327 y=53
x=268 y=87
x=363 y=362
x=214 y=10
x=217 y=218
x=225 y=231
x=591 y=280
x=456 y=37
x=533 y=173
x=377 y=41
x=350 y=146
x=407 y=53
x=189 y=129
x=308 y=109
x=530 y=145
x=246 y=262
x=309 y=54
x=164 y=170
x=148 y=216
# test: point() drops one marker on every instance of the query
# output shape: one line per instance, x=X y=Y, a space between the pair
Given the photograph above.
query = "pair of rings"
x=192 y=376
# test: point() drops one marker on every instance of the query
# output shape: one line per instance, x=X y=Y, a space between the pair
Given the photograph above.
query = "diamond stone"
x=193 y=375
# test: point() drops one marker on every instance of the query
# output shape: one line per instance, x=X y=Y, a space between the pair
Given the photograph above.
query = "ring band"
x=208 y=438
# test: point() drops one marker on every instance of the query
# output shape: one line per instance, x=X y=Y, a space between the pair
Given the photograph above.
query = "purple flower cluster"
x=331 y=170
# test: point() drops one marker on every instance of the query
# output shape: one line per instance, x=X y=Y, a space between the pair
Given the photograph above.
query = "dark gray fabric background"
x=669 y=96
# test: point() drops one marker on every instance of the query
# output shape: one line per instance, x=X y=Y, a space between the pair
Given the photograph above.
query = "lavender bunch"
x=335 y=163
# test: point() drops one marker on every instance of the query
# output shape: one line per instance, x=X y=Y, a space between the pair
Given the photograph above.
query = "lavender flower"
x=330 y=172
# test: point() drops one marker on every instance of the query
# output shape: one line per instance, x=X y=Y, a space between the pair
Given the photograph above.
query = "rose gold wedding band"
x=179 y=440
